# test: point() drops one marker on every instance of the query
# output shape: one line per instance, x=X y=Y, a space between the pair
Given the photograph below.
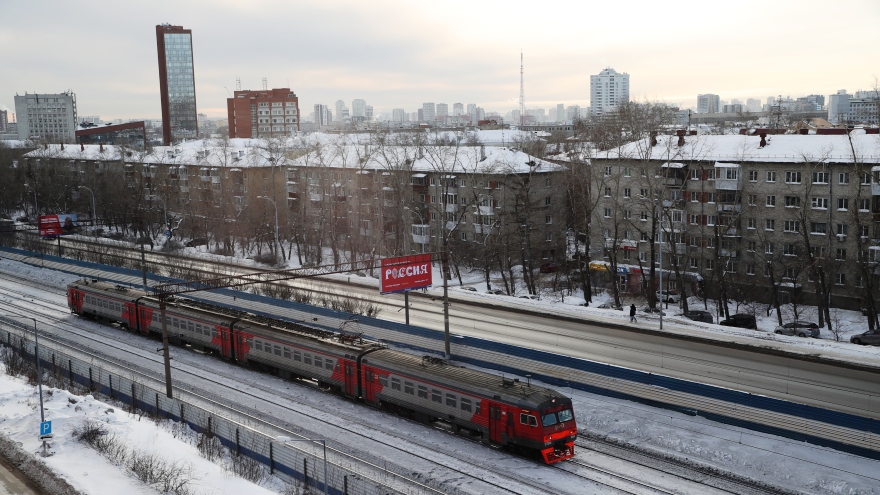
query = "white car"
x=668 y=296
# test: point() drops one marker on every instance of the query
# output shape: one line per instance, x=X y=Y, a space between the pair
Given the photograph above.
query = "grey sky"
x=398 y=54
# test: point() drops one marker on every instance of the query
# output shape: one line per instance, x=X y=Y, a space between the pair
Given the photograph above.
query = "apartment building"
x=608 y=89
x=269 y=113
x=340 y=192
x=746 y=211
x=46 y=117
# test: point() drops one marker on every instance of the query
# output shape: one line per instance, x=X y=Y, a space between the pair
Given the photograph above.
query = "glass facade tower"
x=177 y=83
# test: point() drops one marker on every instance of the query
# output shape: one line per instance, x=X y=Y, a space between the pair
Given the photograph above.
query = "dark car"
x=549 y=267
x=740 y=321
x=472 y=289
x=704 y=316
x=799 y=328
x=497 y=292
x=871 y=337
x=198 y=241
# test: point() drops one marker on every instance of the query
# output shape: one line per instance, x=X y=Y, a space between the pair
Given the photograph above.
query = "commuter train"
x=499 y=412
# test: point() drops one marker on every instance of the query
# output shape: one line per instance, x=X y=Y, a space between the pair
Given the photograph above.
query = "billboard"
x=55 y=225
x=406 y=273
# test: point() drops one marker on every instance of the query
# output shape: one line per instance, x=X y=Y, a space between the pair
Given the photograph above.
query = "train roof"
x=510 y=391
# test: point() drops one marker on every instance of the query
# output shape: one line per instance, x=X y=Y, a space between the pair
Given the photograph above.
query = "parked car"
x=472 y=289
x=649 y=309
x=740 y=321
x=704 y=316
x=668 y=296
x=609 y=306
x=871 y=337
x=530 y=296
x=549 y=267
x=198 y=241
x=497 y=292
x=799 y=328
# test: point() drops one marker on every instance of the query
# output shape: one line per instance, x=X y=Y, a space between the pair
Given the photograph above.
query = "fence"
x=288 y=463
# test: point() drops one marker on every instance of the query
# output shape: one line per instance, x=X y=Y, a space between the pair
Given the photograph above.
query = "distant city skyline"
x=398 y=54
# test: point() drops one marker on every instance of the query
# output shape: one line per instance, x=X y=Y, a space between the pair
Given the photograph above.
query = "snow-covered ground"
x=775 y=460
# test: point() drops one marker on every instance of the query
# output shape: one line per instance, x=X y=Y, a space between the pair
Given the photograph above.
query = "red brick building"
x=267 y=113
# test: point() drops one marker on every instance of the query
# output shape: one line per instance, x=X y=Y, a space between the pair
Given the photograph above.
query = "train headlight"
x=548 y=438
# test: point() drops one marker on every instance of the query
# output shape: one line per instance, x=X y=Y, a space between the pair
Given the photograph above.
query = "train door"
x=350 y=379
x=497 y=420
x=75 y=300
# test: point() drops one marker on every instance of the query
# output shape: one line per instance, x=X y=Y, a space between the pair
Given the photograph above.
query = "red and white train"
x=498 y=411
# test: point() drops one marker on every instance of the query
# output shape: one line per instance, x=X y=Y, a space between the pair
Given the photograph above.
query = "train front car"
x=554 y=418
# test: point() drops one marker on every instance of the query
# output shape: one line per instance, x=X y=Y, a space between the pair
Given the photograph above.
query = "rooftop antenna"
x=265 y=84
x=522 y=91
x=238 y=84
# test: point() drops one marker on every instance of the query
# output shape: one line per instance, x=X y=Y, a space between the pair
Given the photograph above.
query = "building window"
x=841 y=230
x=607 y=192
x=771 y=176
x=626 y=193
x=607 y=213
x=753 y=176
x=548 y=219
x=752 y=223
x=842 y=203
x=866 y=179
x=607 y=171
x=843 y=178
x=817 y=252
x=771 y=200
x=864 y=204
x=710 y=197
x=792 y=177
x=711 y=219
x=820 y=177
x=792 y=202
x=694 y=219
x=768 y=248
x=819 y=203
x=694 y=262
x=840 y=279
x=750 y=269
x=818 y=228
x=753 y=199
x=840 y=254
x=643 y=193
x=792 y=226
x=789 y=250
x=769 y=224
x=626 y=214
x=710 y=264
x=643 y=216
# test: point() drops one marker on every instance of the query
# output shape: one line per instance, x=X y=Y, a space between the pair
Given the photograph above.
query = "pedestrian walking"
x=632 y=314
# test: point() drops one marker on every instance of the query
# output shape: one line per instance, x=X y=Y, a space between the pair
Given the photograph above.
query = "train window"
x=465 y=405
x=319 y=362
x=286 y=353
x=423 y=392
x=308 y=359
x=408 y=387
x=175 y=322
x=297 y=356
x=528 y=419
x=328 y=364
x=155 y=317
x=258 y=345
x=199 y=328
x=277 y=350
x=477 y=409
x=549 y=419
x=395 y=384
x=436 y=396
x=214 y=333
x=450 y=400
x=383 y=380
x=369 y=375
x=191 y=326
x=565 y=415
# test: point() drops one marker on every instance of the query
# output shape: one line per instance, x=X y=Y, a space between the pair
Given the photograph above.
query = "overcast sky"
x=400 y=53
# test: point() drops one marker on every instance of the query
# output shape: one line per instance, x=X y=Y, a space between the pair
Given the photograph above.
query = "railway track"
x=254 y=390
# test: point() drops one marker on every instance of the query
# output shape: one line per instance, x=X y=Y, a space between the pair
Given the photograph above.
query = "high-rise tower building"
x=429 y=112
x=358 y=108
x=442 y=111
x=708 y=103
x=4 y=121
x=608 y=89
x=177 y=83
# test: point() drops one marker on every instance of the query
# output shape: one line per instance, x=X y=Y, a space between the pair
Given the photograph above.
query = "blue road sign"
x=167 y=233
x=45 y=428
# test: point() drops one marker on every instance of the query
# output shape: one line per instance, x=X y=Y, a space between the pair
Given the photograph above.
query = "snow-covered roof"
x=782 y=148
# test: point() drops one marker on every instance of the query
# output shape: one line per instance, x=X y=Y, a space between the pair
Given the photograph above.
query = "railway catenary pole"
x=165 y=353
x=445 y=266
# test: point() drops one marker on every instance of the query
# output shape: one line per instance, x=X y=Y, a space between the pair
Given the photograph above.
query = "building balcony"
x=730 y=207
x=729 y=253
x=184 y=189
x=673 y=182
x=420 y=239
x=728 y=184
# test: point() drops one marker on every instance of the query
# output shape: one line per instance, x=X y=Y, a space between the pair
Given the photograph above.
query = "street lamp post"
x=39 y=373
x=277 y=245
x=406 y=293
x=94 y=211
x=36 y=206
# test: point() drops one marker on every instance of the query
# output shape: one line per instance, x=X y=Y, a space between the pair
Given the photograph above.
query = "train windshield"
x=551 y=419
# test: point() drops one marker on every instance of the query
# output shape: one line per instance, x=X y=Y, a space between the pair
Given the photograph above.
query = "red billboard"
x=55 y=225
x=406 y=273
